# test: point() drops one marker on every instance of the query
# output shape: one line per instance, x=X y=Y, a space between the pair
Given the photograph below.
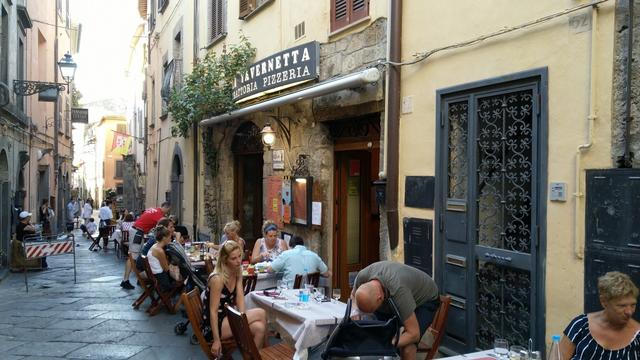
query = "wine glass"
x=319 y=293
x=335 y=294
x=501 y=347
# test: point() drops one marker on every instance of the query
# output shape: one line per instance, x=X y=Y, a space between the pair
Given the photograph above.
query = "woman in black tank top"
x=225 y=287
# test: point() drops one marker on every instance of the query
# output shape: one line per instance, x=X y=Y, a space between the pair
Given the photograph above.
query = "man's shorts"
x=425 y=314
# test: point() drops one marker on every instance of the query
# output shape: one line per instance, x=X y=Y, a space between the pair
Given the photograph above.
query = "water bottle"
x=305 y=278
x=554 y=351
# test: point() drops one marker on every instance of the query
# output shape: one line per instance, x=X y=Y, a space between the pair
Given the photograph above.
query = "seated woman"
x=610 y=333
x=270 y=246
x=158 y=259
x=225 y=287
x=231 y=230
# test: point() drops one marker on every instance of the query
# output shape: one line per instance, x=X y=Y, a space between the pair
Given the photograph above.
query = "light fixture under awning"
x=349 y=81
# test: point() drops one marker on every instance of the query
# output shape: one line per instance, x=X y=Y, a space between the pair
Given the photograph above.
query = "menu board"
x=273 y=200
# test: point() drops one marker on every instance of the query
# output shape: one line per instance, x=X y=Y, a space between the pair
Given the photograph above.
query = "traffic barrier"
x=38 y=246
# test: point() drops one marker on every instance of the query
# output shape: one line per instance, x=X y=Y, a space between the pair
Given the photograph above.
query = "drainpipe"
x=627 y=161
x=196 y=153
x=56 y=118
x=578 y=246
x=392 y=123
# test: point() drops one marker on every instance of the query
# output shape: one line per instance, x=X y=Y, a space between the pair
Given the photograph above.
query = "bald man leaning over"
x=413 y=291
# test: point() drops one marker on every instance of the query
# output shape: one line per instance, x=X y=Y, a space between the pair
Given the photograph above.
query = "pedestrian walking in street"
x=105 y=216
x=87 y=210
x=71 y=214
x=46 y=215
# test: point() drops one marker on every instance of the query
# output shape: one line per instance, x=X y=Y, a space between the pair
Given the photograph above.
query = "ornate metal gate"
x=488 y=174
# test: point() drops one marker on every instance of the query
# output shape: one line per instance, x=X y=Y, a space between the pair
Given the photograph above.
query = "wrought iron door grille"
x=504 y=214
x=504 y=170
x=458 y=114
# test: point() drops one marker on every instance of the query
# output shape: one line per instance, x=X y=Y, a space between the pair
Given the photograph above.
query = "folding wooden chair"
x=193 y=306
x=436 y=328
x=147 y=290
x=244 y=340
x=123 y=245
x=164 y=297
x=249 y=283
x=312 y=279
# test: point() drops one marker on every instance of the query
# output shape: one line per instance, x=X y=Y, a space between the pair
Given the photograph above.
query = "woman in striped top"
x=610 y=333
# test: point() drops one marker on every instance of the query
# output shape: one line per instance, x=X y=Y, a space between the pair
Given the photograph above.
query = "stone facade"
x=620 y=97
x=308 y=133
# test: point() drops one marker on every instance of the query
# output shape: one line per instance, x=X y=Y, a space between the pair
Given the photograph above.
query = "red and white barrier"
x=34 y=251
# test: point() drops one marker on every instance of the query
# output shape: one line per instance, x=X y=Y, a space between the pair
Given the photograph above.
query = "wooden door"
x=356 y=220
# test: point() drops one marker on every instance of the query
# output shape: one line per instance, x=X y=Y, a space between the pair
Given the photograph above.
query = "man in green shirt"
x=413 y=291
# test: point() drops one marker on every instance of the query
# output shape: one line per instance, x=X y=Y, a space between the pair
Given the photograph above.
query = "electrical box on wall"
x=558 y=191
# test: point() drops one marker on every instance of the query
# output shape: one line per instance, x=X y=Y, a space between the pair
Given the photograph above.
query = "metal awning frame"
x=353 y=80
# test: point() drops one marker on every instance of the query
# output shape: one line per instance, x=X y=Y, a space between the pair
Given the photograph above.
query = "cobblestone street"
x=92 y=319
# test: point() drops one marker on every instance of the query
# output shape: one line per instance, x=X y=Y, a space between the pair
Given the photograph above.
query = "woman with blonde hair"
x=225 y=287
x=231 y=232
x=268 y=247
x=610 y=333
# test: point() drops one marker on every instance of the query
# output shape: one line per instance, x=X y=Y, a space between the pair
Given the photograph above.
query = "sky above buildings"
x=103 y=57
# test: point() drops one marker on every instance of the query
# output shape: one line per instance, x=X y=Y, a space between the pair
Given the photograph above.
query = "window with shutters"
x=217 y=20
x=4 y=46
x=347 y=12
x=249 y=7
x=167 y=87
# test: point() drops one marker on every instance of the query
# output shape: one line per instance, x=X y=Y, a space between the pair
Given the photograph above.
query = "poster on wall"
x=277 y=159
x=286 y=201
x=272 y=200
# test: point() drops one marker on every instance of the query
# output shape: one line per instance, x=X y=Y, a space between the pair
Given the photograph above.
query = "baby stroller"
x=364 y=339
x=177 y=256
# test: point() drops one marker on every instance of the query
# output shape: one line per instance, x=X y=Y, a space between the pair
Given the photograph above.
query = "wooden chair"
x=208 y=265
x=122 y=247
x=312 y=278
x=244 y=340
x=147 y=290
x=436 y=328
x=193 y=307
x=249 y=283
x=164 y=297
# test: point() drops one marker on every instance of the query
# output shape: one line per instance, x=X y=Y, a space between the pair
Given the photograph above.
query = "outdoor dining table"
x=484 y=355
x=308 y=325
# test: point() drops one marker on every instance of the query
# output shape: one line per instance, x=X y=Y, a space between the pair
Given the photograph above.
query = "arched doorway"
x=5 y=200
x=247 y=203
x=177 y=178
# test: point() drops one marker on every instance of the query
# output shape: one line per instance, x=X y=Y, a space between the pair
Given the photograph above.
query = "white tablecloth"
x=472 y=356
x=307 y=327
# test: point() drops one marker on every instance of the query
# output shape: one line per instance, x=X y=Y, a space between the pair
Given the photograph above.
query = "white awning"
x=348 y=81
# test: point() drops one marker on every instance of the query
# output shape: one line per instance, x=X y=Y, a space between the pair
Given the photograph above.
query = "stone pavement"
x=92 y=319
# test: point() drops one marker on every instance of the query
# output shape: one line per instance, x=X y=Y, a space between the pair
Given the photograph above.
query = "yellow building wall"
x=106 y=130
x=566 y=54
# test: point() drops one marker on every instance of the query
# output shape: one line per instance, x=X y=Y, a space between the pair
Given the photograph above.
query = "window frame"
x=213 y=36
x=352 y=16
x=247 y=8
x=119 y=165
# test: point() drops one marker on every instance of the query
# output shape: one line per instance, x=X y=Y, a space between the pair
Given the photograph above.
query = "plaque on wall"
x=419 y=191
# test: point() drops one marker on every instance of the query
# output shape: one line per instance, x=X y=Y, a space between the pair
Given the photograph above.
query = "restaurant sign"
x=79 y=115
x=281 y=70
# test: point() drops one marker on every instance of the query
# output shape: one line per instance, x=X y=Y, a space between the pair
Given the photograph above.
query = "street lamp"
x=67 y=68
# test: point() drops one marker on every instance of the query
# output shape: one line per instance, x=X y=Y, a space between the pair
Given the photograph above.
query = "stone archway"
x=5 y=213
x=177 y=181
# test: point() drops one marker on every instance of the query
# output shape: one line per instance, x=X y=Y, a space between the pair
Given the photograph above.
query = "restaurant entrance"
x=356 y=239
x=247 y=149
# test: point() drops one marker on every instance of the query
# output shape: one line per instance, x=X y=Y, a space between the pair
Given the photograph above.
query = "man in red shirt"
x=148 y=221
